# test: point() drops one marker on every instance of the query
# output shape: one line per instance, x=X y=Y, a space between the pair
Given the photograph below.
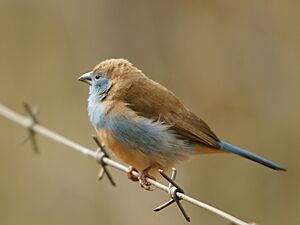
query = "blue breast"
x=96 y=111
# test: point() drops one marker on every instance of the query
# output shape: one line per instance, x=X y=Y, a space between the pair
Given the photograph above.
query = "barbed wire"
x=175 y=192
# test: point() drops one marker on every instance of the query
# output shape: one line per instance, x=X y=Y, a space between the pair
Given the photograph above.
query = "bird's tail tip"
x=281 y=169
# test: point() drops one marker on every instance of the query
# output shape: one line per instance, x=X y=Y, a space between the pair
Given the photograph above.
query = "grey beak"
x=86 y=78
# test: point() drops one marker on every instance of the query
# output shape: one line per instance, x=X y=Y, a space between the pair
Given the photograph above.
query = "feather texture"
x=133 y=87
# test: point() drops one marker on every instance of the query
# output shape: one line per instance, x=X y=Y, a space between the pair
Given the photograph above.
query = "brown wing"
x=151 y=100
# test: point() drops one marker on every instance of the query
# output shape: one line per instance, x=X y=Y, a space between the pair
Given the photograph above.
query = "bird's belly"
x=132 y=157
x=138 y=141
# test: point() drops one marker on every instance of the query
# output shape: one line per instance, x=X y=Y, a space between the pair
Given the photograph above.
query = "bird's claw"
x=130 y=174
x=143 y=180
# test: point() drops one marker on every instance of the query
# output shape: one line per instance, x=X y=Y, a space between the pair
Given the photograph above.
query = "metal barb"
x=31 y=133
x=101 y=153
x=173 y=190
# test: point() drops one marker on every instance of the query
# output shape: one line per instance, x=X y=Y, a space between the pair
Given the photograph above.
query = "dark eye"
x=97 y=77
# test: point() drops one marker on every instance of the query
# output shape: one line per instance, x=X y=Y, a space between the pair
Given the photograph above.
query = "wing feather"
x=152 y=100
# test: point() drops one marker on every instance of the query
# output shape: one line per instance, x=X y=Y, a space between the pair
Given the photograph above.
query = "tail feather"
x=241 y=152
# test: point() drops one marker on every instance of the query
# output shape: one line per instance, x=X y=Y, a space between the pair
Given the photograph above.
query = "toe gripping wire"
x=173 y=190
x=31 y=133
x=101 y=153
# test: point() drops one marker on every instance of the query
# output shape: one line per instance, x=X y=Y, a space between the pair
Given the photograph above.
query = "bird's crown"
x=113 y=68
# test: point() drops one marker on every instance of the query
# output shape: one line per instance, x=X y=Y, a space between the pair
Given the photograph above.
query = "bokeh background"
x=234 y=63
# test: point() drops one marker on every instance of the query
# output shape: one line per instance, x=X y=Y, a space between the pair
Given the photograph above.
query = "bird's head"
x=110 y=69
x=109 y=72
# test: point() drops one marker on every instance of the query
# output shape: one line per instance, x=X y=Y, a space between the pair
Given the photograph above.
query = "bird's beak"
x=86 y=78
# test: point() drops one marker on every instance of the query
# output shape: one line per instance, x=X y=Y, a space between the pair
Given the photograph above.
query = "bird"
x=145 y=125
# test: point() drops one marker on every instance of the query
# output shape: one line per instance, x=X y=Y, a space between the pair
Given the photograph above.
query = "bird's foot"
x=130 y=174
x=143 y=180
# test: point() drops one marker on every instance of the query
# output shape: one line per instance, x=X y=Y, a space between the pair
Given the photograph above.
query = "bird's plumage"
x=139 y=137
x=133 y=87
x=144 y=123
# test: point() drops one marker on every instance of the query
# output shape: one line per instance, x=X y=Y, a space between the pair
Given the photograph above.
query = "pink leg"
x=130 y=175
x=143 y=177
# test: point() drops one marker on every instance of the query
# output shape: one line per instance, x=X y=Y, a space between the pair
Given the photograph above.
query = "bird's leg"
x=145 y=174
x=130 y=175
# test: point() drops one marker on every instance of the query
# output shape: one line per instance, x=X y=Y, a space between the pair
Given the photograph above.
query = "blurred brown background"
x=234 y=63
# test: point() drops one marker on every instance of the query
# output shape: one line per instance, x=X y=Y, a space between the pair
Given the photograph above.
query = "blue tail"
x=241 y=152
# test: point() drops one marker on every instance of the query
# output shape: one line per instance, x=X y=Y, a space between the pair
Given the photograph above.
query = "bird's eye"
x=97 y=77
